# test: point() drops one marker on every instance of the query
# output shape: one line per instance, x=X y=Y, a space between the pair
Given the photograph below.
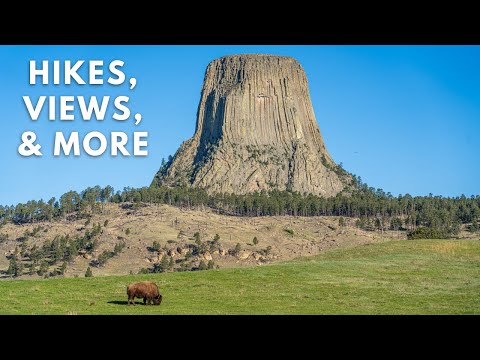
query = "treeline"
x=80 y=204
x=373 y=207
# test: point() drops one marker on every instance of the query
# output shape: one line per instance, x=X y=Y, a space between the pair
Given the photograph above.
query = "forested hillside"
x=375 y=209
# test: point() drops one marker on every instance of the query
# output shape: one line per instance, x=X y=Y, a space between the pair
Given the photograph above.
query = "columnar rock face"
x=256 y=130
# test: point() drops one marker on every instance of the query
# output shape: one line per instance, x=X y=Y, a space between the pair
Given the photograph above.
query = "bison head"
x=157 y=300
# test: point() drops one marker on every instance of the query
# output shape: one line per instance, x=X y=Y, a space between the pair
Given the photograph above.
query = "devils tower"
x=256 y=130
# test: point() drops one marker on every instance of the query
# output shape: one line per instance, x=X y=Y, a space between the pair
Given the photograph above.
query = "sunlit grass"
x=401 y=277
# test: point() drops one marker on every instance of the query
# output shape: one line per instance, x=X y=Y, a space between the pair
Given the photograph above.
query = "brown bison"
x=147 y=290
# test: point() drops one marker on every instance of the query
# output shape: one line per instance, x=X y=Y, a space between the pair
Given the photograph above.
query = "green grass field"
x=401 y=277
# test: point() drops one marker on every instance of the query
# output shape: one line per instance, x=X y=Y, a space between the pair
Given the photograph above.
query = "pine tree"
x=237 y=249
x=33 y=266
x=63 y=268
x=202 y=265
x=164 y=264
x=15 y=267
x=72 y=250
x=171 y=264
x=43 y=268
x=198 y=241
x=255 y=241
x=156 y=246
x=88 y=273
x=210 y=264
x=474 y=227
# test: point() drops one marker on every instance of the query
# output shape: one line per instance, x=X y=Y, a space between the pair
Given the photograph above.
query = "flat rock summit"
x=256 y=130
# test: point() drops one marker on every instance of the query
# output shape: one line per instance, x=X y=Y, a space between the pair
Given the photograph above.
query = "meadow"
x=395 y=277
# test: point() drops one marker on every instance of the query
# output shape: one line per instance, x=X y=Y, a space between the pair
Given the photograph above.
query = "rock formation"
x=256 y=130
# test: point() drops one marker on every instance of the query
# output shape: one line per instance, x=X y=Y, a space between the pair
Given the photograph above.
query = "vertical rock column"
x=256 y=130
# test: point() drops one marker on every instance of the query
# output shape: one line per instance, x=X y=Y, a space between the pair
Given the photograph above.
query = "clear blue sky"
x=404 y=118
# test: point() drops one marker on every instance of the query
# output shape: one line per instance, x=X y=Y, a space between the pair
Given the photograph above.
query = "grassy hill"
x=289 y=237
x=400 y=277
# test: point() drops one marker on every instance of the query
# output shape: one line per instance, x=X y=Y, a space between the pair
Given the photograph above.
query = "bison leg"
x=144 y=300
x=131 y=300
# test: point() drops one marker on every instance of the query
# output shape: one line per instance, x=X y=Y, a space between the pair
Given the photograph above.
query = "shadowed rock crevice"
x=256 y=130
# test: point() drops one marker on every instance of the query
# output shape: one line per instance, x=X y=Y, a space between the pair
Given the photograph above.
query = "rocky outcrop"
x=256 y=130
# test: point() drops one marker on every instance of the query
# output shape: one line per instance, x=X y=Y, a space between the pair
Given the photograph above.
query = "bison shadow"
x=124 y=302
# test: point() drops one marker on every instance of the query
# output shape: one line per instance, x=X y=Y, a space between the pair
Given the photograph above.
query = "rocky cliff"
x=256 y=130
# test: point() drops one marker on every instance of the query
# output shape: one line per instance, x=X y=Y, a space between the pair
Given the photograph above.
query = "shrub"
x=203 y=248
x=118 y=248
x=237 y=249
x=255 y=241
x=102 y=258
x=105 y=223
x=268 y=250
x=342 y=222
x=127 y=232
x=34 y=232
x=92 y=246
x=156 y=246
x=395 y=223
x=164 y=264
x=143 y=271
x=212 y=247
x=15 y=267
x=185 y=266
x=62 y=268
x=197 y=238
x=365 y=224
x=72 y=251
x=474 y=227
x=425 y=233
x=88 y=273
x=210 y=265
x=43 y=268
x=361 y=223
x=215 y=244
x=290 y=231
x=157 y=268
x=202 y=265
x=32 y=269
